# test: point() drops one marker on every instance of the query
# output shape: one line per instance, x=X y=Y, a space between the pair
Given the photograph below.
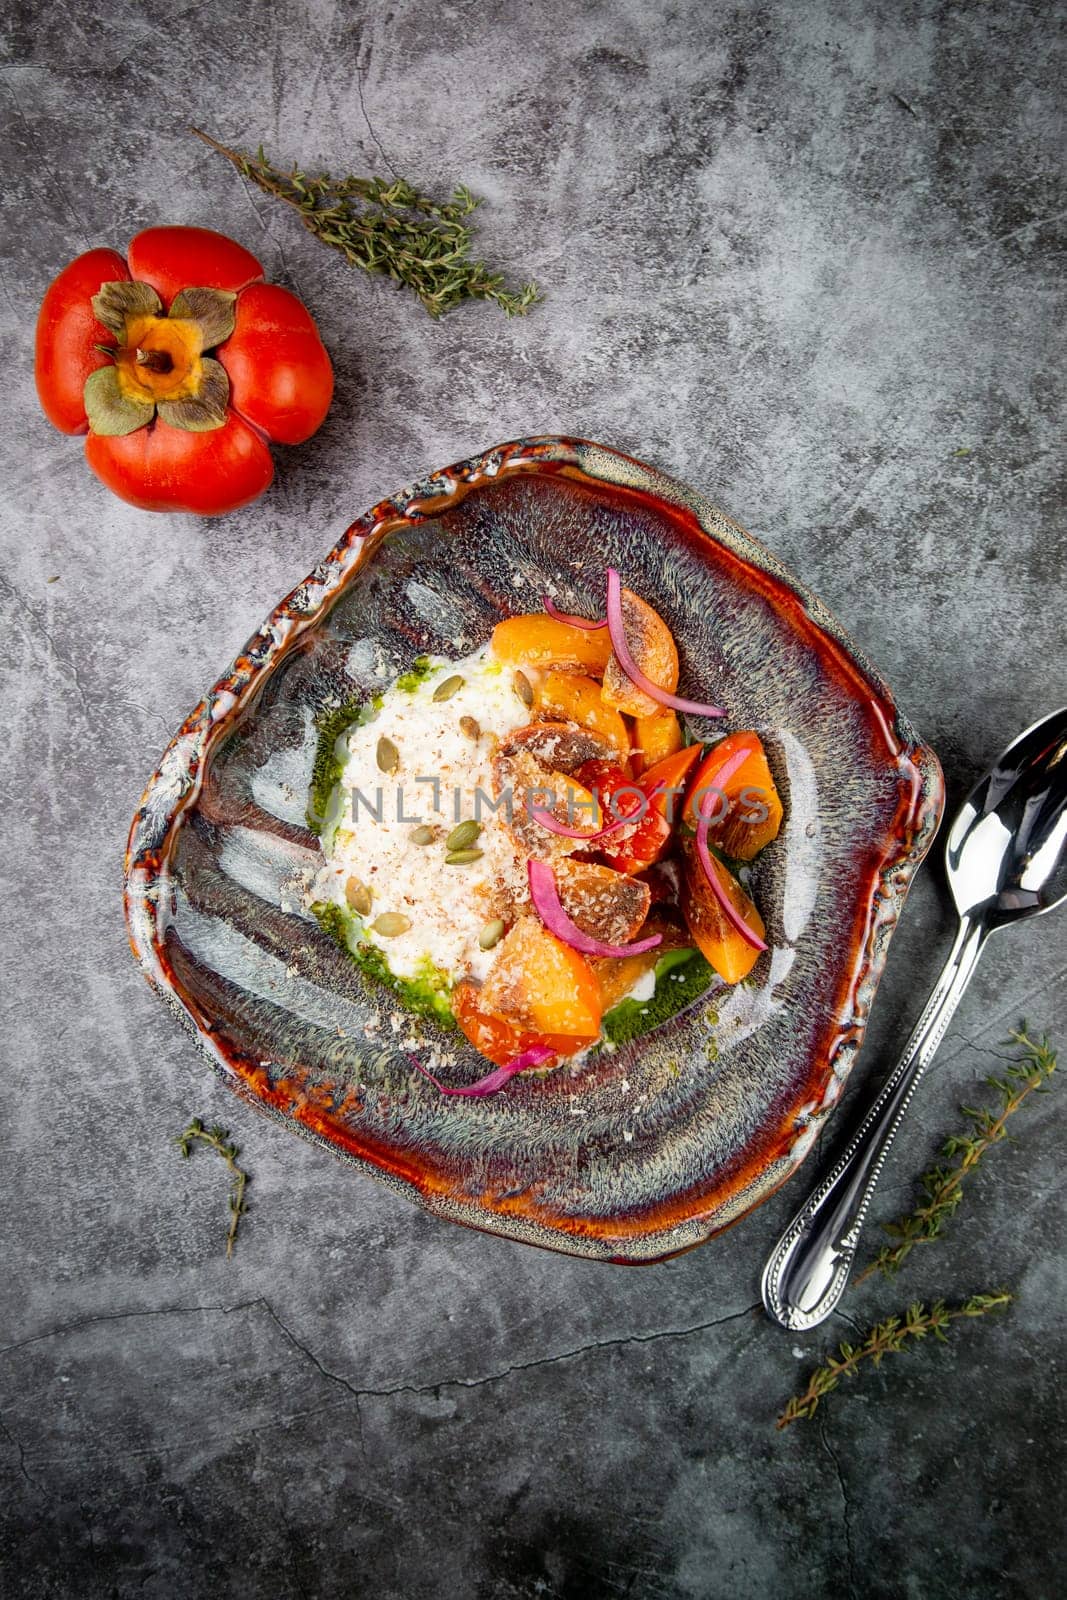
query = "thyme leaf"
x=389 y=228
x=942 y=1189
x=887 y=1338
x=218 y=1139
x=942 y=1186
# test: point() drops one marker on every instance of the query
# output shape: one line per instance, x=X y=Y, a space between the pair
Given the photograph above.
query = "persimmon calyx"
x=159 y=361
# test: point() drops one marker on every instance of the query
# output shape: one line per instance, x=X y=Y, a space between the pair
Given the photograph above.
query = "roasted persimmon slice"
x=617 y=975
x=559 y=746
x=610 y=905
x=522 y=786
x=572 y=697
x=631 y=849
x=718 y=941
x=653 y=650
x=665 y=782
x=537 y=982
x=744 y=809
x=496 y=1039
x=539 y=640
x=655 y=738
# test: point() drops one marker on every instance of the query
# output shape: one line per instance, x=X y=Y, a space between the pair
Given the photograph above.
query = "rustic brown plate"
x=643 y=1152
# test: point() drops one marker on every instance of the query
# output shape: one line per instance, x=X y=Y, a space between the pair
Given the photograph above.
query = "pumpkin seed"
x=491 y=934
x=470 y=727
x=423 y=834
x=388 y=755
x=390 y=923
x=446 y=690
x=463 y=835
x=358 y=896
x=460 y=858
x=523 y=688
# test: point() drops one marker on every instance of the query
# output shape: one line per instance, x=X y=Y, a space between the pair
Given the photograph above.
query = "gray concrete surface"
x=807 y=257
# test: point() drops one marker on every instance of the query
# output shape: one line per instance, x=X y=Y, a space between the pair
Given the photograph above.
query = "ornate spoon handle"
x=808 y=1269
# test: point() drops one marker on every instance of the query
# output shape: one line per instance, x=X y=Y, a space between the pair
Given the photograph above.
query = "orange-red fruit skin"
x=651 y=837
x=499 y=1041
x=669 y=775
x=190 y=258
x=715 y=937
x=281 y=379
x=655 y=653
x=655 y=738
x=280 y=376
x=66 y=333
x=159 y=468
x=538 y=640
x=742 y=832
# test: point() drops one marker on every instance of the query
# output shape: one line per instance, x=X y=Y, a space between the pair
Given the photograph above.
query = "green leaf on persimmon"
x=206 y=410
x=110 y=412
x=211 y=309
x=116 y=301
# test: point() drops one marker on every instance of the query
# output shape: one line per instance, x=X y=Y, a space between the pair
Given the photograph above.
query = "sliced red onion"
x=733 y=916
x=617 y=629
x=547 y=820
x=536 y=1056
x=722 y=776
x=549 y=907
x=565 y=616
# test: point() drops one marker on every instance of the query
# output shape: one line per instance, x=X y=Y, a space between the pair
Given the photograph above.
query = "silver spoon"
x=1006 y=860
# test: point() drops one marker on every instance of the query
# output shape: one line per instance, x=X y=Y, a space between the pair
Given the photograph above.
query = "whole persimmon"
x=181 y=366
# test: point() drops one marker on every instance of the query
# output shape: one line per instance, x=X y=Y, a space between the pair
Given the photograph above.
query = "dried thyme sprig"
x=217 y=1138
x=389 y=227
x=942 y=1186
x=887 y=1338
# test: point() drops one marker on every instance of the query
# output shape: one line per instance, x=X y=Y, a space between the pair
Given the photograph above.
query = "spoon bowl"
x=1005 y=852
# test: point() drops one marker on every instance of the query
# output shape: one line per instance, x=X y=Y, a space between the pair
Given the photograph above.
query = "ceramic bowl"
x=646 y=1151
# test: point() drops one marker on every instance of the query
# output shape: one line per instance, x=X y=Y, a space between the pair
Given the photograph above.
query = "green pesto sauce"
x=420 y=669
x=428 y=995
x=682 y=976
x=331 y=754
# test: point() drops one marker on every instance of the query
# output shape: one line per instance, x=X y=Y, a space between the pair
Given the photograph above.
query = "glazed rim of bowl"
x=177 y=781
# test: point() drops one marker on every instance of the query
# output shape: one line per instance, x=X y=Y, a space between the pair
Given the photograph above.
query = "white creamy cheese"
x=644 y=988
x=447 y=906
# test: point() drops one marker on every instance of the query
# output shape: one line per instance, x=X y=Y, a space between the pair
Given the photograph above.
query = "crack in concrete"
x=21 y=1448
x=846 y=1504
x=357 y=1393
x=852 y=1323
x=1001 y=238
x=997 y=1020
x=83 y=1512
x=146 y=711
x=334 y=1377
x=506 y=1372
x=123 y=1316
x=34 y=138
x=267 y=230
x=361 y=72
x=900 y=100
x=51 y=655
x=988 y=1050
